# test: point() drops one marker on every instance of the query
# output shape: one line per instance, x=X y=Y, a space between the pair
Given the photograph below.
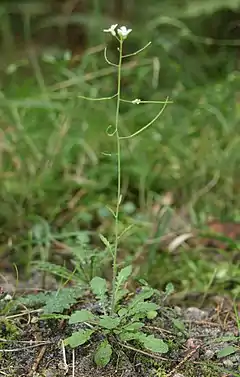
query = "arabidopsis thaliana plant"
x=123 y=32
x=111 y=30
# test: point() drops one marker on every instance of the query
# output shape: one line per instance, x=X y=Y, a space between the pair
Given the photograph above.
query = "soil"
x=31 y=347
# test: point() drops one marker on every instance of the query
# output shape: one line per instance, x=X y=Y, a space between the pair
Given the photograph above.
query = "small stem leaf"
x=108 y=322
x=121 y=279
x=155 y=344
x=103 y=354
x=146 y=293
x=112 y=212
x=78 y=338
x=123 y=275
x=80 y=316
x=99 y=287
x=120 y=294
x=105 y=241
x=226 y=351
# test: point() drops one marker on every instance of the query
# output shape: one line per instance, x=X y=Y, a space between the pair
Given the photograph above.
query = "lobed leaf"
x=226 y=351
x=78 y=338
x=80 y=316
x=155 y=344
x=109 y=323
x=99 y=288
x=103 y=354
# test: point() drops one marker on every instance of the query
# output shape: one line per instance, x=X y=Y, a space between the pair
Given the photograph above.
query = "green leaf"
x=145 y=294
x=226 y=351
x=54 y=302
x=61 y=300
x=108 y=322
x=38 y=299
x=152 y=314
x=143 y=307
x=133 y=326
x=103 y=354
x=122 y=312
x=169 y=289
x=99 y=288
x=123 y=275
x=155 y=344
x=105 y=241
x=80 y=316
x=59 y=271
x=78 y=338
x=179 y=324
x=127 y=336
x=120 y=294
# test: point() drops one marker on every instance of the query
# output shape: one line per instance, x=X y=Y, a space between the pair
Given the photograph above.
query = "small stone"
x=51 y=372
x=209 y=354
x=63 y=366
x=195 y=314
x=235 y=359
x=228 y=363
x=178 y=310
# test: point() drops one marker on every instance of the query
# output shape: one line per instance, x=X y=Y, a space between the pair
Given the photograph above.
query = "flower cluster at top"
x=122 y=31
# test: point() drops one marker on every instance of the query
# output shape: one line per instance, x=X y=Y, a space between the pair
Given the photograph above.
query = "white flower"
x=123 y=32
x=136 y=101
x=111 y=30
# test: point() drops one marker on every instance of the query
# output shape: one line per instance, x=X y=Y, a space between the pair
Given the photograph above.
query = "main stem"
x=115 y=250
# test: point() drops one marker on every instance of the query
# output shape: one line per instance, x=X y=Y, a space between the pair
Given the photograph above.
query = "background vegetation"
x=57 y=169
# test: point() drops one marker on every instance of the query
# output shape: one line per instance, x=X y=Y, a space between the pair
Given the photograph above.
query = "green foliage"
x=154 y=344
x=125 y=324
x=178 y=324
x=54 y=302
x=226 y=351
x=8 y=330
x=99 y=288
x=86 y=260
x=103 y=354
x=78 y=338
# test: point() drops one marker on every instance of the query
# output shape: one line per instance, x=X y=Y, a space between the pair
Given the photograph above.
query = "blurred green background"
x=57 y=164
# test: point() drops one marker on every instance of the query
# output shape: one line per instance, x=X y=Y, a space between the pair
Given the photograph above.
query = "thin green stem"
x=148 y=124
x=115 y=251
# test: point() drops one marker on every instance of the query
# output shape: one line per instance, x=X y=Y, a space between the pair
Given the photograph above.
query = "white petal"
x=123 y=31
x=111 y=29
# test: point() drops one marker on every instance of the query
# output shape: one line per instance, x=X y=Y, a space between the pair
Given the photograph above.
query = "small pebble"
x=209 y=354
x=178 y=310
x=228 y=363
x=50 y=373
x=195 y=314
